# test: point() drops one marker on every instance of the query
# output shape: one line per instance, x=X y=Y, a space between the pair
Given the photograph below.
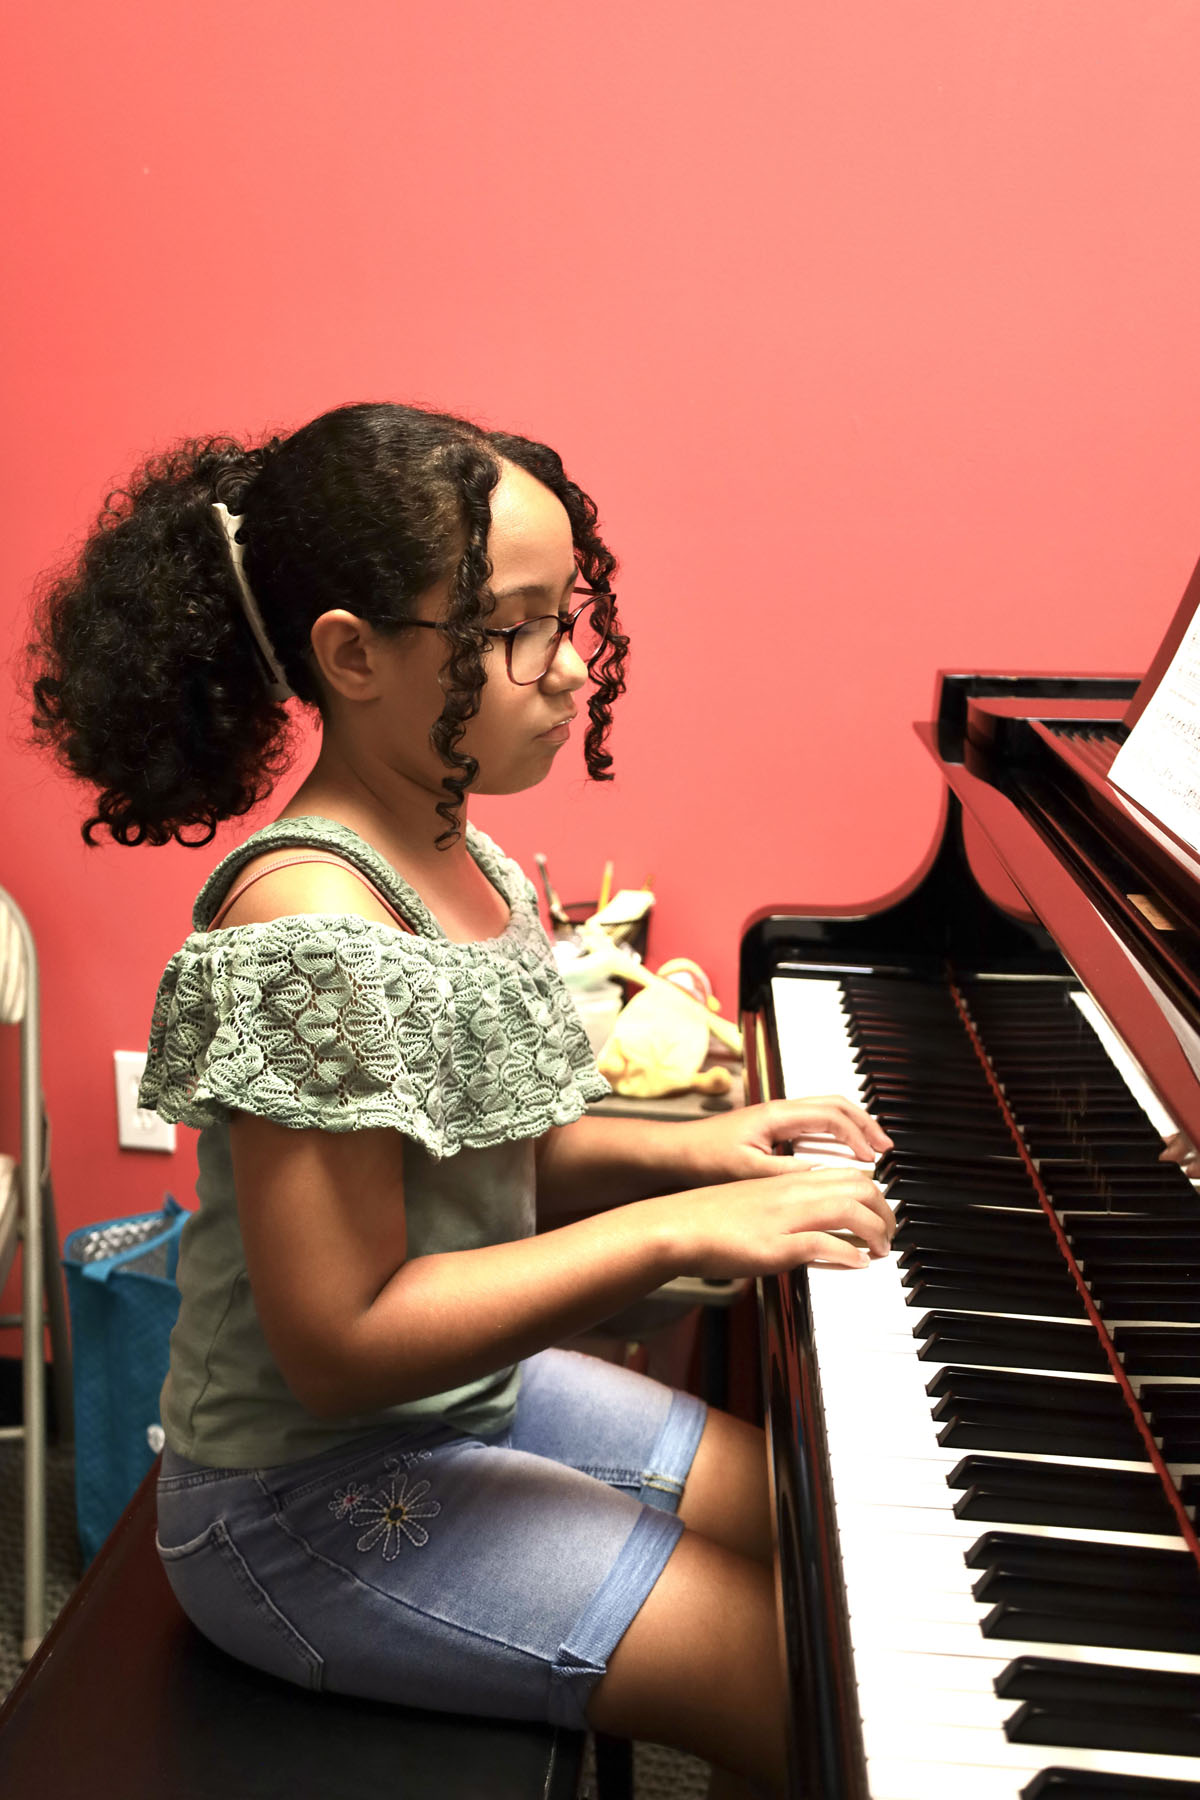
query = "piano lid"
x=1028 y=757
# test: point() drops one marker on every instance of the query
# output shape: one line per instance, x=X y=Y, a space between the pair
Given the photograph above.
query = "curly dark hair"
x=145 y=677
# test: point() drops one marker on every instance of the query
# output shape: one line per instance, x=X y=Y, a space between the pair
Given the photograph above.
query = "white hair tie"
x=277 y=686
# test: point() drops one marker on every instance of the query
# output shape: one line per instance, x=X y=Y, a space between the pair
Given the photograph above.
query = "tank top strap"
x=310 y=856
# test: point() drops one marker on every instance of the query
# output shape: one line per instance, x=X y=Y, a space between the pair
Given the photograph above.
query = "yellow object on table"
x=659 y=1046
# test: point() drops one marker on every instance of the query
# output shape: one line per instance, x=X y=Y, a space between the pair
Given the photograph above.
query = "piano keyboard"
x=1024 y=1610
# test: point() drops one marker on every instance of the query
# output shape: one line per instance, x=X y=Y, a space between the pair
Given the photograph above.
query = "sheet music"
x=1158 y=766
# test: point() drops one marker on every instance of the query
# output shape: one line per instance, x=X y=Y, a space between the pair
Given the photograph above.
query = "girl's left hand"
x=737 y=1146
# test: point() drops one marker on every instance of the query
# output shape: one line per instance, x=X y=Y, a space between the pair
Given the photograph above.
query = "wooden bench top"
x=125 y=1700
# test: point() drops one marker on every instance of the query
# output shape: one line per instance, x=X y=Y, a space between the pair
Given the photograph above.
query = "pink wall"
x=872 y=328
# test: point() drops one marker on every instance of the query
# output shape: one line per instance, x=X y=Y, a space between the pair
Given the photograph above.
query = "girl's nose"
x=568 y=671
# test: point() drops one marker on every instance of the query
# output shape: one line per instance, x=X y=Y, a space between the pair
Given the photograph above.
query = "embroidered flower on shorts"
x=396 y=1508
x=346 y=1499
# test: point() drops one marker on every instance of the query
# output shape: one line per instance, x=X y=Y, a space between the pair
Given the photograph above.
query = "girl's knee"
x=699 y=1666
x=727 y=1496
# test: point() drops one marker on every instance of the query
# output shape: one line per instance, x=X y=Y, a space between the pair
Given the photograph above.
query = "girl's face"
x=518 y=731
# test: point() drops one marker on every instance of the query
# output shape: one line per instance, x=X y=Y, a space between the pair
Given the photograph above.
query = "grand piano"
x=985 y=1449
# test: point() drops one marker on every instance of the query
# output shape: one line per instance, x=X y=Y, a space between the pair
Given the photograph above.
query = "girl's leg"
x=699 y=1667
x=726 y=1498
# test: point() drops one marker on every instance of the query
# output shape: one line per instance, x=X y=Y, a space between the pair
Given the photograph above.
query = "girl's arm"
x=600 y=1161
x=354 y=1326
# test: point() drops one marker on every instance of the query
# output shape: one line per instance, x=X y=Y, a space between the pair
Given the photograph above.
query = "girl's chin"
x=515 y=781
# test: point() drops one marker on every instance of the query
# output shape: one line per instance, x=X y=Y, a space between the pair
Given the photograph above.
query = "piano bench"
x=125 y=1700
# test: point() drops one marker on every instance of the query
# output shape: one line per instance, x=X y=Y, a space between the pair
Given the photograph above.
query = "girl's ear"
x=344 y=648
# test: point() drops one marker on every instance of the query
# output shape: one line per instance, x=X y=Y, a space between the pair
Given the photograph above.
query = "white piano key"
x=971 y=1748
x=813 y=1046
x=898 y=1699
x=924 y=1668
x=919 y=1559
x=917 y=1672
x=898 y=1778
x=868 y=1602
x=854 y=1446
x=877 y=1517
x=1126 y=1067
x=944 y=1637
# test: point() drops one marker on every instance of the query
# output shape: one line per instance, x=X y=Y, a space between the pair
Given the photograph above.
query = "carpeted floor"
x=660 y=1774
x=62 y=1548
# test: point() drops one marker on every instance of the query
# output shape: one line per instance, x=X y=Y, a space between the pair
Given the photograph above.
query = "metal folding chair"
x=27 y=1218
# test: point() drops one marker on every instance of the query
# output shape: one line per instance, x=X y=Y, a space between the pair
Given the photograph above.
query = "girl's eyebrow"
x=533 y=589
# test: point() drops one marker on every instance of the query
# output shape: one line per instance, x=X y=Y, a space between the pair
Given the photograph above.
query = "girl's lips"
x=558 y=734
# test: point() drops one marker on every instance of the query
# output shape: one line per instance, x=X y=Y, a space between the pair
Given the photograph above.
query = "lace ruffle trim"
x=341 y=1024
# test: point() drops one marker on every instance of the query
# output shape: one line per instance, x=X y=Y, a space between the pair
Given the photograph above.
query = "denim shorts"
x=489 y=1576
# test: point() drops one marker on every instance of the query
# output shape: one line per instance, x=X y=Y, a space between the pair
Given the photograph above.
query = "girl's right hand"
x=774 y=1223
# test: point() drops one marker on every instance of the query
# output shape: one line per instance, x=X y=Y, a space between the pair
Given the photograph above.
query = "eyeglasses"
x=531 y=647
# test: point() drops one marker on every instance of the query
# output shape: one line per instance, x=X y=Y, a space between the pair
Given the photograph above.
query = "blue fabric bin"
x=124 y=1303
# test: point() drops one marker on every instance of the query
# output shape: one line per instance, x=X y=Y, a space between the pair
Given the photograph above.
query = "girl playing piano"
x=380 y=1477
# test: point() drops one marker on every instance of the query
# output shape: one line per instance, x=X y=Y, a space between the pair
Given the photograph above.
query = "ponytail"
x=147 y=681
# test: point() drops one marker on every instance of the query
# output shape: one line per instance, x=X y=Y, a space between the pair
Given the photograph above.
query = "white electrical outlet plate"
x=137 y=1129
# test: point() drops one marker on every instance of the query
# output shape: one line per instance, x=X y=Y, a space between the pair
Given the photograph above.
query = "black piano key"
x=1128 y=1237
x=944 y=1200
x=941 y=1154
x=1179 y=1444
x=1038 y=1393
x=1174 y=1400
x=1025 y=1476
x=1017 y=1344
x=1174 y=1416
x=1168 y=1272
x=1145 y=1351
x=962 y=1426
x=1151 y=1177
x=931 y=1013
x=1049 y=1679
x=901 y=1082
x=1148 y=1260
x=1140 y=1729
x=1001 y=1268
x=952 y=1346
x=930 y=1260
x=1044 y=1613
x=1100 y=1134
x=979 y=1239
x=985 y=1296
x=1080 y=1562
x=1082 y=1784
x=1170 y=1301
x=1018 y=1219
x=1036 y=1291
x=965 y=1235
x=1126 y=1208
x=1084 y=1510
x=898 y=1060
x=1056 y=1494
x=1060 y=1590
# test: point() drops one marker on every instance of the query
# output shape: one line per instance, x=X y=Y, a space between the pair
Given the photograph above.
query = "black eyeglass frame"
x=566 y=628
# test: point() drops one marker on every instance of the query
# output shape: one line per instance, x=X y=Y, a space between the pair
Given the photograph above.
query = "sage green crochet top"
x=335 y=1023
